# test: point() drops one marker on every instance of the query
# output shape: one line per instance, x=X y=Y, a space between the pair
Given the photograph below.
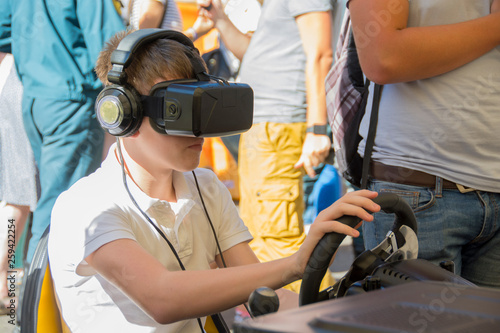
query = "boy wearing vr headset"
x=148 y=226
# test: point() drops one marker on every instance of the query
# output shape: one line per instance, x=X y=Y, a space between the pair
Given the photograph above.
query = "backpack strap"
x=370 y=138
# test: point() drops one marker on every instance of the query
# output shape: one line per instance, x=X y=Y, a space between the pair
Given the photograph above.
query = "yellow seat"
x=39 y=310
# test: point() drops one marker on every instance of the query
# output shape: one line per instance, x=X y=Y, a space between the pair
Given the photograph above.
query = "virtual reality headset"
x=199 y=108
x=203 y=107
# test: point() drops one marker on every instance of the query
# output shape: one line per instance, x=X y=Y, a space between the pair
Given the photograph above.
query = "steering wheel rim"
x=328 y=245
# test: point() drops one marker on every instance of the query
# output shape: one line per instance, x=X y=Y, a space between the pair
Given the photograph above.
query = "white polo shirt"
x=97 y=210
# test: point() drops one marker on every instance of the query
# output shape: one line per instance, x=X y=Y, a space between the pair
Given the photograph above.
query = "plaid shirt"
x=342 y=98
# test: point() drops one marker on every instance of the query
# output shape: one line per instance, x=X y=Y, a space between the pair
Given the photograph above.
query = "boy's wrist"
x=294 y=269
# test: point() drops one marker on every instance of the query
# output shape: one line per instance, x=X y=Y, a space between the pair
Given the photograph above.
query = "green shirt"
x=56 y=43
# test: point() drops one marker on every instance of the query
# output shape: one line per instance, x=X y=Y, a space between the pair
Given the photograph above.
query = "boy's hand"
x=354 y=203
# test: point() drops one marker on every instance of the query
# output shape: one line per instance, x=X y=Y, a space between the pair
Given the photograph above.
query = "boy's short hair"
x=162 y=58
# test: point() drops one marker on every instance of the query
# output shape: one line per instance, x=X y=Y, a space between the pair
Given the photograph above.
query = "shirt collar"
x=182 y=191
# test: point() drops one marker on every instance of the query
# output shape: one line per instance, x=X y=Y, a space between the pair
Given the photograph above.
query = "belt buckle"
x=464 y=189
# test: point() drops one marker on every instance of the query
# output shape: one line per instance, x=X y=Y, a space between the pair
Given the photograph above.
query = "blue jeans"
x=462 y=227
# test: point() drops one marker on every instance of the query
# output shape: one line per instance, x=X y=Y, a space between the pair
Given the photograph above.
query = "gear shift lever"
x=262 y=301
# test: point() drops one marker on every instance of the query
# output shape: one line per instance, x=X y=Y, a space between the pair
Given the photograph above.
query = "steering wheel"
x=325 y=249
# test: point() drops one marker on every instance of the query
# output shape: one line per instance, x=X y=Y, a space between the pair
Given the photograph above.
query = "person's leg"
x=271 y=198
x=311 y=191
x=429 y=213
x=13 y=220
x=271 y=188
x=450 y=227
x=316 y=194
x=68 y=145
x=481 y=256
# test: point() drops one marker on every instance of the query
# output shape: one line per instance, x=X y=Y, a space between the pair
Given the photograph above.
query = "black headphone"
x=119 y=106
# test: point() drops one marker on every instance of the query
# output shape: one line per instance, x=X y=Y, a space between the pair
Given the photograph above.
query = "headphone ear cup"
x=156 y=126
x=119 y=110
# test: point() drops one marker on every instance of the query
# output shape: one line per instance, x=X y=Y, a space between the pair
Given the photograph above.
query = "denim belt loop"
x=439 y=187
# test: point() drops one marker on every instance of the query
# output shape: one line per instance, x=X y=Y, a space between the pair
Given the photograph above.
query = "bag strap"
x=343 y=40
x=370 y=139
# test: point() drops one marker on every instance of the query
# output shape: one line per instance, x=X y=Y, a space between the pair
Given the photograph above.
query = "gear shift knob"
x=262 y=301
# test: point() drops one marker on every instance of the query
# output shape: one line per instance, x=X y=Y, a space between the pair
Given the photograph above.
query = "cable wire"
x=209 y=220
x=146 y=216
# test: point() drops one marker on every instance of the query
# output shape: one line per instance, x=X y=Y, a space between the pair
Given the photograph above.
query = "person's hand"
x=495 y=6
x=355 y=203
x=213 y=9
x=202 y=25
x=204 y=3
x=314 y=151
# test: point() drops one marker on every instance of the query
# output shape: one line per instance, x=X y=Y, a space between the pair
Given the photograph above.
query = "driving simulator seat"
x=39 y=308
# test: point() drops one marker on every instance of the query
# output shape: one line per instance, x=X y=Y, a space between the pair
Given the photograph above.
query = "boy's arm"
x=391 y=52
x=242 y=254
x=159 y=291
x=315 y=33
x=238 y=255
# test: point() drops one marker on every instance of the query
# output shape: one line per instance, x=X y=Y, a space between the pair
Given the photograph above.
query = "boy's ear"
x=136 y=133
x=144 y=122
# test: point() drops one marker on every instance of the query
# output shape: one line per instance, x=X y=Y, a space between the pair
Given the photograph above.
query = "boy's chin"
x=188 y=167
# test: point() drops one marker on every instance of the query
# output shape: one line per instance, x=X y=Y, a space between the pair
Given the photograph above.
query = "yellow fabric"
x=48 y=319
x=271 y=192
x=210 y=326
x=118 y=6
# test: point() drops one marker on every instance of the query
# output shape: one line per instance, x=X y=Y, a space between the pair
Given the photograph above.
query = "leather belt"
x=406 y=176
